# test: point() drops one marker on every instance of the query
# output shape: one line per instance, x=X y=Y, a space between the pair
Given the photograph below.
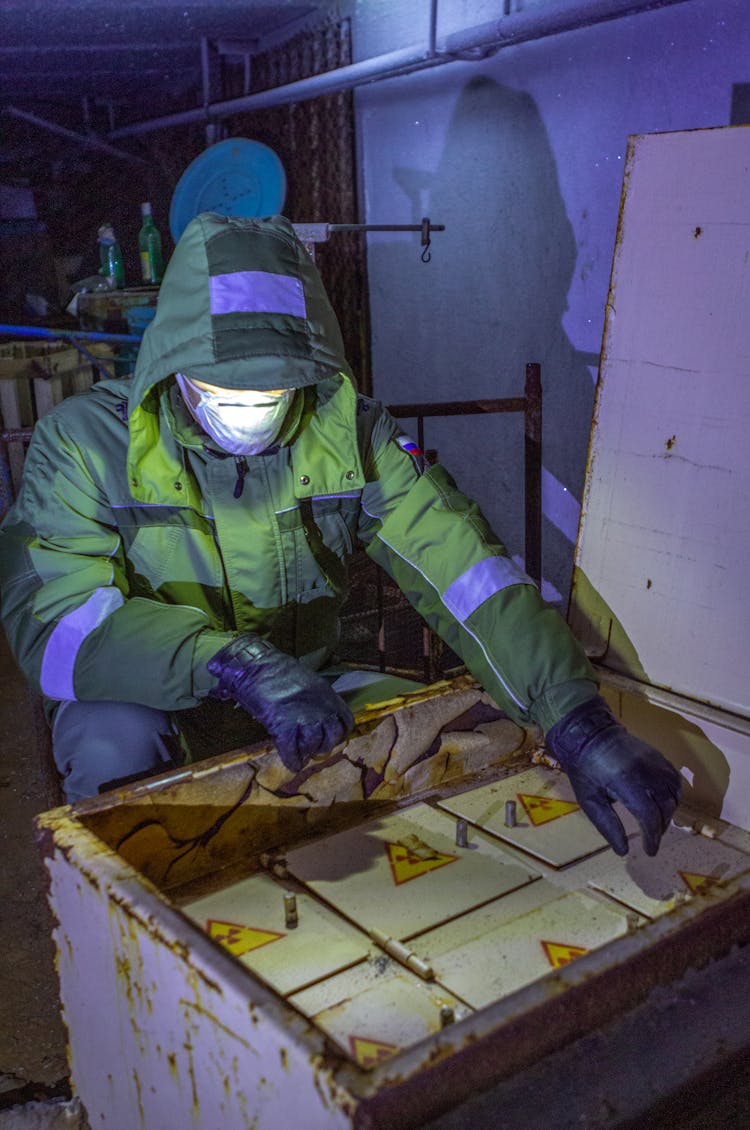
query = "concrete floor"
x=32 y=1037
x=681 y=1058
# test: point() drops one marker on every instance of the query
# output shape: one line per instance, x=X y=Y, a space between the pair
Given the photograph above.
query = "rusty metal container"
x=180 y=1014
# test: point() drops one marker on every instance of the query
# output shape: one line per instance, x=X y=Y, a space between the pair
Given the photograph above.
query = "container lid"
x=660 y=591
x=235 y=177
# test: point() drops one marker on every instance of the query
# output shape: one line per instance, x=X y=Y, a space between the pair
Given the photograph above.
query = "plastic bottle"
x=149 y=247
x=110 y=257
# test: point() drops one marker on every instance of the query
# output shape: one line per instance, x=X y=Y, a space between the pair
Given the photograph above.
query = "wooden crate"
x=107 y=310
x=34 y=377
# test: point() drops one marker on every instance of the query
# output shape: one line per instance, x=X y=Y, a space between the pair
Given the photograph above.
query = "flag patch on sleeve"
x=410 y=447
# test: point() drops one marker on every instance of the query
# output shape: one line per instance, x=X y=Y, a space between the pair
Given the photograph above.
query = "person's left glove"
x=606 y=763
x=300 y=710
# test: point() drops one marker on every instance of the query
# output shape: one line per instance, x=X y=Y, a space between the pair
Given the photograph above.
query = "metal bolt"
x=462 y=833
x=510 y=814
x=447 y=1015
x=275 y=864
x=290 y=911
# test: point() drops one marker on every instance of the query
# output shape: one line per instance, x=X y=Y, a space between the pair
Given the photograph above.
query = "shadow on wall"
x=492 y=299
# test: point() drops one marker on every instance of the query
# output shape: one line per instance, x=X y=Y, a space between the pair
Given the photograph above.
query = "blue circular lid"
x=235 y=177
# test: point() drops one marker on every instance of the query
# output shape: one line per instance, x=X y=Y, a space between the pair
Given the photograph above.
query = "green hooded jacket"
x=137 y=547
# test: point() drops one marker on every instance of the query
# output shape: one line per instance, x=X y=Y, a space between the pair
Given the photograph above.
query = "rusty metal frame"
x=531 y=406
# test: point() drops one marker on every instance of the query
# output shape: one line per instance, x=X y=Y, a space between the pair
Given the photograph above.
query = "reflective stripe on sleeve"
x=61 y=652
x=256 y=292
x=503 y=682
x=479 y=582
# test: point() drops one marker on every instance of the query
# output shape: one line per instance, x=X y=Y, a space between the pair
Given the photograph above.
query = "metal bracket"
x=312 y=234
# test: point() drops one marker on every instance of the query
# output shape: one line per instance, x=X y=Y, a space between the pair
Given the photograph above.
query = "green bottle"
x=110 y=257
x=149 y=247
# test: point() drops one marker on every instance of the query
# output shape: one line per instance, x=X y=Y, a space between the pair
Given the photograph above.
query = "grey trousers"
x=100 y=744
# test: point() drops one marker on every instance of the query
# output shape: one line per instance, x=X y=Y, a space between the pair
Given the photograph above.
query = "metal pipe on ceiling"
x=517 y=27
x=539 y=22
x=82 y=138
x=328 y=82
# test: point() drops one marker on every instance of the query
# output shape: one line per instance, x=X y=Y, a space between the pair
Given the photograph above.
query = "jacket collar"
x=325 y=453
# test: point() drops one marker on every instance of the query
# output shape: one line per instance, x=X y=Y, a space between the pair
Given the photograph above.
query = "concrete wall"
x=521 y=156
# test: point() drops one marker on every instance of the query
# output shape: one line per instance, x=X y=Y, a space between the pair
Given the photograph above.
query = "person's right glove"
x=300 y=710
x=606 y=763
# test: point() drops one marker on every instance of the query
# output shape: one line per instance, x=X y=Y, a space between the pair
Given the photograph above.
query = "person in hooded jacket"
x=178 y=547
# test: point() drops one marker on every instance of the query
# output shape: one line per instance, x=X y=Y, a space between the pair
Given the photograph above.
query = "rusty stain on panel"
x=137 y=1083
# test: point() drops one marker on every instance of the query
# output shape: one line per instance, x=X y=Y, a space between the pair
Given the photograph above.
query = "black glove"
x=300 y=710
x=606 y=763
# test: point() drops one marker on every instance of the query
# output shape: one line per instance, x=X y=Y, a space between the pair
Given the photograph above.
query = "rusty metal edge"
x=61 y=836
x=150 y=787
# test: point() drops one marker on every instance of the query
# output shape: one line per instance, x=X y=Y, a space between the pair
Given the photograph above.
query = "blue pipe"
x=64 y=335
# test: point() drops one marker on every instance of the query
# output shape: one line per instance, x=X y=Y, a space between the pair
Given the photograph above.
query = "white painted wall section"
x=521 y=155
x=661 y=575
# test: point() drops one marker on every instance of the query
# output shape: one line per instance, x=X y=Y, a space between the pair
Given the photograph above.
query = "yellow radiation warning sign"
x=240 y=939
x=557 y=953
x=542 y=809
x=369 y=1053
x=407 y=865
x=696 y=882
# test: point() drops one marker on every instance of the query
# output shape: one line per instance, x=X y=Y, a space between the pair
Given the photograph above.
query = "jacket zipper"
x=240 y=463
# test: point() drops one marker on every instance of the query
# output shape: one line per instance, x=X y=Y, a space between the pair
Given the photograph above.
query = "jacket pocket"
x=336 y=517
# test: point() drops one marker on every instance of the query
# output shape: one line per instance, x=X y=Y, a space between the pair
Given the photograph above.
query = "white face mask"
x=242 y=422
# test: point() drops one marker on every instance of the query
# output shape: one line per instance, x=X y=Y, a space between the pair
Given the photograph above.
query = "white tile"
x=249 y=919
x=549 y=823
x=684 y=865
x=404 y=873
x=491 y=952
x=376 y=1009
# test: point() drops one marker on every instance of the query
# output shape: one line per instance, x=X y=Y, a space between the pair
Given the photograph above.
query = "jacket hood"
x=241 y=305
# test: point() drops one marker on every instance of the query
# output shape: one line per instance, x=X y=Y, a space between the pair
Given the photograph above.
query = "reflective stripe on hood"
x=242 y=306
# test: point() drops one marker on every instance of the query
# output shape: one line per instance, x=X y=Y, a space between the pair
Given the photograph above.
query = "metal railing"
x=530 y=404
x=391 y=633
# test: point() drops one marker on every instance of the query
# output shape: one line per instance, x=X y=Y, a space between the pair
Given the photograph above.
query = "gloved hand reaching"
x=605 y=763
x=300 y=710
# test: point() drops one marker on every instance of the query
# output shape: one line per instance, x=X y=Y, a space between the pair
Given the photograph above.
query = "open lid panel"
x=660 y=587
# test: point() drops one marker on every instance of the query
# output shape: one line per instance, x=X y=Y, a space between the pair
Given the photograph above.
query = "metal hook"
x=426 y=255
